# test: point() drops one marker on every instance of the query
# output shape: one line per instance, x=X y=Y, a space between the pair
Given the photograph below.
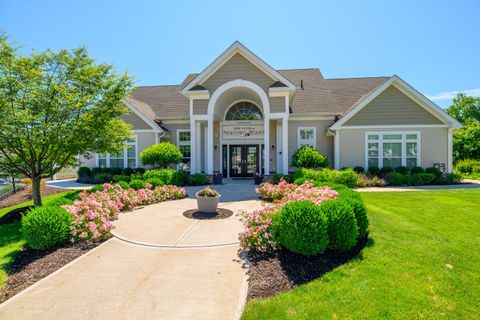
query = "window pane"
x=411 y=162
x=131 y=152
x=392 y=162
x=131 y=163
x=392 y=137
x=116 y=163
x=392 y=149
x=102 y=163
x=411 y=136
x=373 y=137
x=184 y=136
x=411 y=149
x=373 y=149
x=372 y=162
x=185 y=151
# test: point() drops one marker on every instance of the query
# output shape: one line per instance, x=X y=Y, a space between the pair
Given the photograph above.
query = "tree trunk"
x=36 y=195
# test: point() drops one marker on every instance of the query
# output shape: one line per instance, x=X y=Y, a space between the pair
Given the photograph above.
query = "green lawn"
x=45 y=200
x=10 y=244
x=5 y=188
x=423 y=263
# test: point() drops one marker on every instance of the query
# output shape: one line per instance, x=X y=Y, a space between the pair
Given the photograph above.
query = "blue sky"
x=433 y=45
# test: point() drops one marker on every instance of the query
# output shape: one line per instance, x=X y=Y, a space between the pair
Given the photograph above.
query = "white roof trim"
x=412 y=93
x=142 y=116
x=237 y=47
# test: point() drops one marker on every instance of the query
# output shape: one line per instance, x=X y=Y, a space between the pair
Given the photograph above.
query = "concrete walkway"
x=159 y=265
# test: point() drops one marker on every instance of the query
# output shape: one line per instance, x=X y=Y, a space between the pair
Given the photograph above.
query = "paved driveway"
x=160 y=265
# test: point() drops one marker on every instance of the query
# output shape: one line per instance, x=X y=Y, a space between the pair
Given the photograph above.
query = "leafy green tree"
x=161 y=155
x=309 y=157
x=55 y=106
x=466 y=141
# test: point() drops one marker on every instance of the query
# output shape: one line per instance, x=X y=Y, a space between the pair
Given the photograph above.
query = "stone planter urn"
x=207 y=200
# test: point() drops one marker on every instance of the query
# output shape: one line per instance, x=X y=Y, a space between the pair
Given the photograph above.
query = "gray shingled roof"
x=318 y=95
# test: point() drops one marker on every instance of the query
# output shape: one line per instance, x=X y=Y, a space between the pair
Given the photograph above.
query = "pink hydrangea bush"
x=258 y=235
x=92 y=212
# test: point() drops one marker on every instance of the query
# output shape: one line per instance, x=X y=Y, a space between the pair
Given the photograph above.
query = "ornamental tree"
x=161 y=155
x=309 y=157
x=55 y=106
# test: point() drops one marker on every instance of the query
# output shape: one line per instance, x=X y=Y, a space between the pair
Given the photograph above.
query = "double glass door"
x=244 y=160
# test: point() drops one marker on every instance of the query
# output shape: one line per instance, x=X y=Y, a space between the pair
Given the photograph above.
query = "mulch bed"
x=283 y=270
x=31 y=265
x=220 y=214
x=26 y=195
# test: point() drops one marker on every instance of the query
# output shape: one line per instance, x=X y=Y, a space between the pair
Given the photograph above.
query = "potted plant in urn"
x=207 y=200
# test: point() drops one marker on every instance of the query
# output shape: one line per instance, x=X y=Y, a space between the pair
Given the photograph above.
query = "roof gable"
x=237 y=48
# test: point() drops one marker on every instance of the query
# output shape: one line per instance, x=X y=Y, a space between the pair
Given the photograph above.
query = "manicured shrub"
x=302 y=227
x=45 y=227
x=435 y=171
x=277 y=177
x=347 y=177
x=359 y=169
x=342 y=225
x=300 y=181
x=66 y=199
x=118 y=178
x=116 y=171
x=344 y=168
x=127 y=171
x=137 y=184
x=197 y=179
x=374 y=171
x=84 y=172
x=96 y=170
x=155 y=182
x=103 y=178
x=161 y=155
x=95 y=188
x=385 y=170
x=448 y=178
x=124 y=184
x=402 y=170
x=415 y=170
x=335 y=186
x=106 y=170
x=396 y=179
x=420 y=179
x=166 y=175
x=139 y=170
x=309 y=157
x=355 y=200
x=180 y=178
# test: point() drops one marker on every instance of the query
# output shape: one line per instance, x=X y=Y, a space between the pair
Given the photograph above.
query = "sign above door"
x=241 y=132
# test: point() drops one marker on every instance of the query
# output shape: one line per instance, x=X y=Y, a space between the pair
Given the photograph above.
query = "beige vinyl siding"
x=172 y=128
x=237 y=67
x=277 y=105
x=324 y=142
x=200 y=106
x=144 y=140
x=84 y=162
x=392 y=107
x=136 y=122
x=433 y=145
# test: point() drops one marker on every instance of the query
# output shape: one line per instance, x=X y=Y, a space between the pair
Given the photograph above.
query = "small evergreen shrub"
x=180 y=178
x=402 y=170
x=124 y=185
x=127 y=171
x=137 y=184
x=277 y=177
x=415 y=170
x=84 y=172
x=359 y=169
x=139 y=170
x=347 y=177
x=103 y=178
x=342 y=225
x=302 y=227
x=448 y=178
x=155 y=182
x=197 y=179
x=96 y=171
x=420 y=179
x=118 y=178
x=385 y=170
x=95 y=188
x=116 y=171
x=435 y=171
x=162 y=155
x=166 y=175
x=354 y=199
x=45 y=227
x=309 y=157
x=374 y=171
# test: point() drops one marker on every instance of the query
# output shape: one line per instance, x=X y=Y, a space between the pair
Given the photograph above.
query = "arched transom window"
x=244 y=111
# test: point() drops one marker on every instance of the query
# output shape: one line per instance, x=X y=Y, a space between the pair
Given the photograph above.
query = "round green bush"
x=98 y=187
x=155 y=182
x=161 y=155
x=118 y=178
x=342 y=225
x=137 y=184
x=127 y=171
x=116 y=171
x=359 y=169
x=139 y=170
x=84 y=172
x=302 y=227
x=374 y=171
x=45 y=227
x=309 y=157
x=385 y=170
x=180 y=178
x=402 y=170
x=415 y=170
x=435 y=171
x=354 y=199
x=124 y=185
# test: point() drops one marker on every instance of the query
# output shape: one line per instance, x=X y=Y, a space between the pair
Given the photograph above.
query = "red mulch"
x=26 y=195
x=31 y=265
x=283 y=270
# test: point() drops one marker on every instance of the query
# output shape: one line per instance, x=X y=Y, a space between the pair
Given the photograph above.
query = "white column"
x=210 y=145
x=266 y=142
x=450 y=151
x=197 y=147
x=193 y=154
x=285 y=145
x=336 y=150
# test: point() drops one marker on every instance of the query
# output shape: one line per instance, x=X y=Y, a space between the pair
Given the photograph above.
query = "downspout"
x=336 y=147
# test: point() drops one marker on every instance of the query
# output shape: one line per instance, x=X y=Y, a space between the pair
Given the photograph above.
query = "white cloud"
x=449 y=95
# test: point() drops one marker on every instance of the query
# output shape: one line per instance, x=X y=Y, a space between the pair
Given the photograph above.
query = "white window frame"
x=125 y=154
x=299 y=140
x=184 y=143
x=403 y=140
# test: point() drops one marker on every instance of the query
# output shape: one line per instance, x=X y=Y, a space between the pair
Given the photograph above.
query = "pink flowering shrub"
x=92 y=212
x=258 y=235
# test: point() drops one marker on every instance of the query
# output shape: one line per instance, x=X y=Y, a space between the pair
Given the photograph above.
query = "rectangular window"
x=392 y=149
x=184 y=144
x=307 y=137
x=117 y=160
x=124 y=158
x=102 y=160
